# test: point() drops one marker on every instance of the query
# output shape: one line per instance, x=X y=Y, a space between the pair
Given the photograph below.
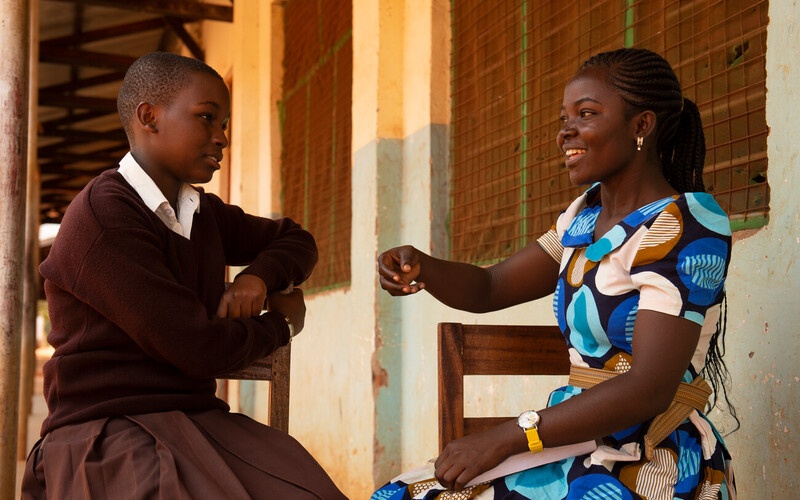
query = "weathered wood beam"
x=176 y=8
x=75 y=57
x=81 y=136
x=106 y=33
x=71 y=119
x=67 y=158
x=186 y=37
x=114 y=152
x=84 y=83
x=77 y=101
x=59 y=159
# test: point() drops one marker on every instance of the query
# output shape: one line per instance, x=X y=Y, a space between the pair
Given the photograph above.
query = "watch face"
x=528 y=419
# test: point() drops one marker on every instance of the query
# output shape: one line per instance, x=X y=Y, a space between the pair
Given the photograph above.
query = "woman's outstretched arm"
x=527 y=275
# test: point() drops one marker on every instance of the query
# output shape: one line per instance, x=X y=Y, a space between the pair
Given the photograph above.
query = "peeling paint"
x=380 y=377
x=744 y=234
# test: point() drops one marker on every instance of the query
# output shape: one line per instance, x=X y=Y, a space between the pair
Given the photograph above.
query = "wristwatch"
x=528 y=421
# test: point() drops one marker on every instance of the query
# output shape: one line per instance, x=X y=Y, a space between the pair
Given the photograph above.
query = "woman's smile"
x=572 y=155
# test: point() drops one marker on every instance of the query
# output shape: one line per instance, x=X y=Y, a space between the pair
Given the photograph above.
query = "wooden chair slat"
x=490 y=350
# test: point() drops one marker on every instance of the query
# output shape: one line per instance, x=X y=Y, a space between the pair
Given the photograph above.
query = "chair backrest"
x=490 y=350
x=275 y=368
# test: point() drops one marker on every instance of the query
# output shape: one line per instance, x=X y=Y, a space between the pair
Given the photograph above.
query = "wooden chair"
x=274 y=368
x=490 y=350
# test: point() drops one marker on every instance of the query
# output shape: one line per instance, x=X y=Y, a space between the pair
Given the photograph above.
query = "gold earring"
x=639 y=142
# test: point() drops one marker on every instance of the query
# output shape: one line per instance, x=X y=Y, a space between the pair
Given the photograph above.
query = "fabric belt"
x=689 y=397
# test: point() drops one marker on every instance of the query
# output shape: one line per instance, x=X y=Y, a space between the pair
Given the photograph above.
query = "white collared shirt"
x=188 y=197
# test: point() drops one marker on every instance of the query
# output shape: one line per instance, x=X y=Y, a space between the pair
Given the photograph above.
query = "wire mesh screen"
x=316 y=132
x=510 y=62
x=718 y=50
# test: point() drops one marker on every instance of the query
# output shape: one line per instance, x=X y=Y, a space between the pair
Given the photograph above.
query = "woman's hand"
x=291 y=304
x=464 y=459
x=527 y=275
x=398 y=269
x=244 y=298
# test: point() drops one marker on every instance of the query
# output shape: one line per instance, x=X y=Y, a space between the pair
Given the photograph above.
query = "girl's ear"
x=145 y=117
x=645 y=123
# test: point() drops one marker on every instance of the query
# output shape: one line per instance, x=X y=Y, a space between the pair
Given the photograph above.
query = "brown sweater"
x=132 y=304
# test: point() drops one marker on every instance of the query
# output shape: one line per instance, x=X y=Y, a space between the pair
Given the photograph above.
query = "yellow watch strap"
x=534 y=443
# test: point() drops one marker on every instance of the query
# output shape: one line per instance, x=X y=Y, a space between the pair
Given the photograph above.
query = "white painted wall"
x=764 y=291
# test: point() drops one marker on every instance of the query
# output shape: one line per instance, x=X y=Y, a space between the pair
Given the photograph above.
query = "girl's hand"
x=244 y=298
x=398 y=269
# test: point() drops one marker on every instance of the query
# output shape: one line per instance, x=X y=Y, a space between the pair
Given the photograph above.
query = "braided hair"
x=646 y=81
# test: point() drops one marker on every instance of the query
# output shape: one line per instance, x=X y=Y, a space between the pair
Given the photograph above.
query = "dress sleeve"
x=551 y=244
x=682 y=261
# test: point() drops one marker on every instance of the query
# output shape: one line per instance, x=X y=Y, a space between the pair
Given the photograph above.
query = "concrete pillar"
x=377 y=131
x=14 y=50
x=410 y=70
x=257 y=73
x=254 y=152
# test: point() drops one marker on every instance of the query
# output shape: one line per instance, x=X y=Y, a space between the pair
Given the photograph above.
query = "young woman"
x=637 y=265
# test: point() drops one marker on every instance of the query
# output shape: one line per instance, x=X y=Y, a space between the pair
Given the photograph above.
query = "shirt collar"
x=145 y=187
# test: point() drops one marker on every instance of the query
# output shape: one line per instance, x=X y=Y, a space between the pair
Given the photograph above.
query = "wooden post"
x=30 y=294
x=14 y=50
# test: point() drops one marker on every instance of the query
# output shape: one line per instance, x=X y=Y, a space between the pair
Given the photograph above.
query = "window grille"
x=510 y=62
x=316 y=131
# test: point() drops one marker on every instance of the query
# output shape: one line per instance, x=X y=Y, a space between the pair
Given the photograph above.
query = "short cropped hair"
x=156 y=78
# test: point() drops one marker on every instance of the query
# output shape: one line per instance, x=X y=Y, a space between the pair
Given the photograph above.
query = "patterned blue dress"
x=670 y=256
